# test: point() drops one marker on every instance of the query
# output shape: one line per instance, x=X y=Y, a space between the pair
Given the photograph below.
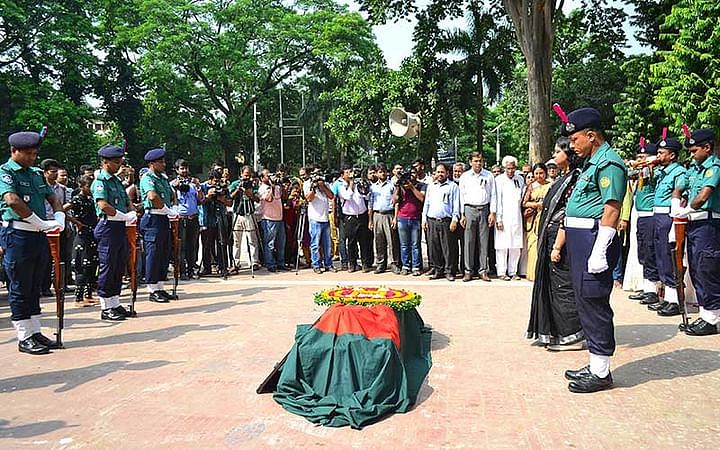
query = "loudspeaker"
x=404 y=124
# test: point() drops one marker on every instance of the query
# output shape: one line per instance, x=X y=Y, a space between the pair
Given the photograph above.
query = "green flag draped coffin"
x=355 y=365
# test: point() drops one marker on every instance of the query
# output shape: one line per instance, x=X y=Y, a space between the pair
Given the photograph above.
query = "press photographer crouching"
x=213 y=223
x=189 y=196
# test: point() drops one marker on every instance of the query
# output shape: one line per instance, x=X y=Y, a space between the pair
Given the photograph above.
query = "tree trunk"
x=539 y=94
x=479 y=113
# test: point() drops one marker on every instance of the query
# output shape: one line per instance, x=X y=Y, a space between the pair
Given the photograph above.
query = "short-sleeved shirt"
x=603 y=179
x=645 y=195
x=271 y=210
x=704 y=175
x=319 y=207
x=410 y=207
x=28 y=183
x=109 y=188
x=668 y=179
x=158 y=183
x=187 y=201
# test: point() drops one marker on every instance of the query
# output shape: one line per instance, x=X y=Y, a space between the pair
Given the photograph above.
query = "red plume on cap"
x=664 y=134
x=560 y=113
x=686 y=131
x=642 y=142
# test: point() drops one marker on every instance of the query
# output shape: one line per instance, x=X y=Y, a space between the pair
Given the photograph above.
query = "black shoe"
x=121 y=310
x=184 y=277
x=157 y=298
x=272 y=269
x=46 y=293
x=672 y=309
x=396 y=270
x=574 y=375
x=657 y=306
x=366 y=269
x=649 y=299
x=450 y=277
x=682 y=327
x=47 y=342
x=637 y=296
x=283 y=268
x=79 y=293
x=317 y=270
x=591 y=383
x=430 y=272
x=32 y=347
x=436 y=276
x=331 y=269
x=166 y=295
x=701 y=328
x=111 y=314
x=380 y=269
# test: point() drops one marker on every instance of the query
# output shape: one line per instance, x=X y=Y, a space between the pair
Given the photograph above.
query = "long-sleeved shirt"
x=381 y=194
x=442 y=201
x=353 y=203
x=478 y=189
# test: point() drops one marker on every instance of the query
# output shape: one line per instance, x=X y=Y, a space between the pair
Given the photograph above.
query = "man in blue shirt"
x=380 y=221
x=189 y=195
x=440 y=217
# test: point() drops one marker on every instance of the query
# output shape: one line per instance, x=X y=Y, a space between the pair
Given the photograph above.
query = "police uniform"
x=669 y=178
x=644 y=202
x=593 y=251
x=110 y=234
x=703 y=237
x=26 y=246
x=155 y=229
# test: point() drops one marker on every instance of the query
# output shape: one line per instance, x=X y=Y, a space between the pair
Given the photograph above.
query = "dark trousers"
x=592 y=290
x=358 y=234
x=155 y=230
x=663 y=250
x=209 y=238
x=703 y=245
x=646 y=247
x=189 y=232
x=457 y=250
x=439 y=241
x=26 y=257
x=113 y=251
x=85 y=258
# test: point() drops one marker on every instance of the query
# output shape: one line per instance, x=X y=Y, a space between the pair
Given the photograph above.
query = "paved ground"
x=184 y=375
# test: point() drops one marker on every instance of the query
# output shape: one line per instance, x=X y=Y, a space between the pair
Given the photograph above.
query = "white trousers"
x=507 y=260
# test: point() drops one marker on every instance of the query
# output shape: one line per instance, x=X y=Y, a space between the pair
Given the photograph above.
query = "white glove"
x=598 y=257
x=166 y=211
x=684 y=212
x=60 y=218
x=671 y=234
x=130 y=218
x=174 y=214
x=675 y=207
x=42 y=225
x=118 y=217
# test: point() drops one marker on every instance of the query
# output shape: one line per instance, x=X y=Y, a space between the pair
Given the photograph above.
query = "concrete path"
x=183 y=375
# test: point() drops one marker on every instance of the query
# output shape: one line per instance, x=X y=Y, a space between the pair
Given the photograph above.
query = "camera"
x=278 y=178
x=404 y=177
x=183 y=184
x=246 y=184
x=222 y=188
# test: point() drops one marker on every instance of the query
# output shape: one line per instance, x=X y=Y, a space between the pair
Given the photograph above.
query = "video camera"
x=363 y=186
x=404 y=177
x=183 y=184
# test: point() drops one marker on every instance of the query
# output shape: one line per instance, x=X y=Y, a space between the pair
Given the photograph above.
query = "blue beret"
x=154 y=154
x=649 y=149
x=24 y=140
x=671 y=144
x=581 y=119
x=700 y=137
x=111 y=151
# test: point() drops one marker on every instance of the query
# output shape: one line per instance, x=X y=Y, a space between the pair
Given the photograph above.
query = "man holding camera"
x=318 y=196
x=188 y=195
x=354 y=193
x=213 y=223
x=408 y=200
x=273 y=227
x=381 y=212
x=245 y=238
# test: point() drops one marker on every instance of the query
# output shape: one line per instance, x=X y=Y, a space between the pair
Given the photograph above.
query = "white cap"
x=551 y=162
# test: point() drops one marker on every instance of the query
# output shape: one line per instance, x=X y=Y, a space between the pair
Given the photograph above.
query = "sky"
x=395 y=39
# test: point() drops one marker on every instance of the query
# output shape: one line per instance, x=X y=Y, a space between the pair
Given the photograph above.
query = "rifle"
x=59 y=281
x=175 y=226
x=678 y=268
x=132 y=236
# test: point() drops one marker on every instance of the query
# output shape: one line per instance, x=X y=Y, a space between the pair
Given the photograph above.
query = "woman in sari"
x=554 y=320
x=532 y=206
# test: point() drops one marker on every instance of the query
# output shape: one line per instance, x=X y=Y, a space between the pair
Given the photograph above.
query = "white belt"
x=18 y=225
x=580 y=222
x=661 y=210
x=702 y=215
x=645 y=213
x=158 y=212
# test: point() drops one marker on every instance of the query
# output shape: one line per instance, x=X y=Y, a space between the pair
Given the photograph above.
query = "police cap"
x=700 y=137
x=111 y=151
x=24 y=140
x=649 y=149
x=581 y=119
x=154 y=154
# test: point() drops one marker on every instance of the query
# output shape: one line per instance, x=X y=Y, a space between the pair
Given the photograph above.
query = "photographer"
x=244 y=227
x=408 y=199
x=271 y=205
x=381 y=223
x=353 y=193
x=189 y=195
x=213 y=222
x=318 y=196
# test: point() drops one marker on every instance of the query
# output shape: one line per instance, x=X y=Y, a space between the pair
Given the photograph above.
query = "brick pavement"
x=183 y=375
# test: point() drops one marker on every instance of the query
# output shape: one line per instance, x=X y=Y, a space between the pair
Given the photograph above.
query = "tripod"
x=299 y=234
x=221 y=216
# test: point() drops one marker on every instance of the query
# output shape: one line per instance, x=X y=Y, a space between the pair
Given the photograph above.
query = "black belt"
x=444 y=219
x=478 y=206
x=356 y=216
x=190 y=217
x=390 y=211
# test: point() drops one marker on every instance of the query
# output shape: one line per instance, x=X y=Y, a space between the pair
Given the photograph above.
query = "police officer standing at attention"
x=114 y=211
x=157 y=197
x=593 y=246
x=23 y=192
x=703 y=229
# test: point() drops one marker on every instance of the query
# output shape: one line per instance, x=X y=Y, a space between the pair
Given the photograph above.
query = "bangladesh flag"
x=355 y=365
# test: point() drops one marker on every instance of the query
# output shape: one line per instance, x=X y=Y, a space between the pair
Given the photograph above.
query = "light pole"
x=282 y=144
x=256 y=156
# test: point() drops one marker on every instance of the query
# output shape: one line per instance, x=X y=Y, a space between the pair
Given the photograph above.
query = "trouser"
x=320 y=239
x=409 y=233
x=85 y=257
x=477 y=235
x=273 y=243
x=703 y=246
x=358 y=234
x=342 y=241
x=439 y=241
x=457 y=250
x=592 y=290
x=663 y=250
x=507 y=260
x=189 y=229
x=385 y=246
x=113 y=251
x=26 y=256
x=246 y=246
x=155 y=230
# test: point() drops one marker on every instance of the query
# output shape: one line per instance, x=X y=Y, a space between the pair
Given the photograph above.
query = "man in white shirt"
x=272 y=224
x=353 y=195
x=318 y=196
x=509 y=220
x=478 y=204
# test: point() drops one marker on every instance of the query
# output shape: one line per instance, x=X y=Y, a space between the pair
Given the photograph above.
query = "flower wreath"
x=397 y=299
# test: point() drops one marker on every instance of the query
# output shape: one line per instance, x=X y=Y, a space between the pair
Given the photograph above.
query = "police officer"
x=670 y=176
x=23 y=192
x=157 y=198
x=114 y=211
x=644 y=202
x=703 y=230
x=593 y=246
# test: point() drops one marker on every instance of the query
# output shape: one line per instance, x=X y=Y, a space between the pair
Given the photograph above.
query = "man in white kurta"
x=508 y=227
